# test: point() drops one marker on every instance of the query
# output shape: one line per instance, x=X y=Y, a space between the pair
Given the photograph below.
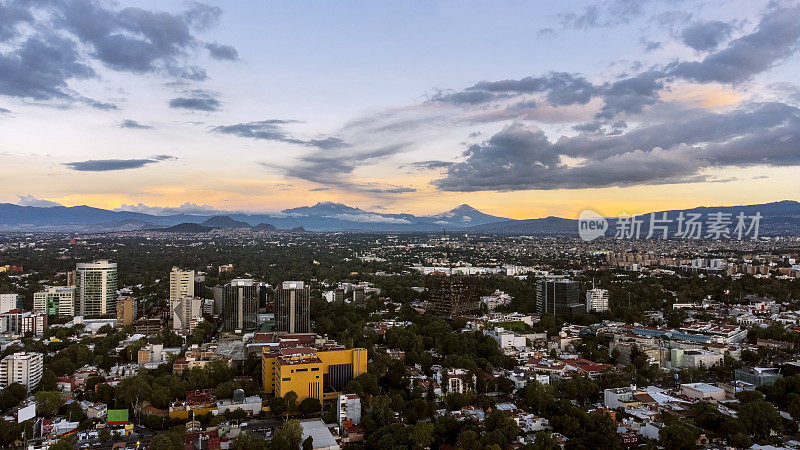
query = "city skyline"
x=518 y=110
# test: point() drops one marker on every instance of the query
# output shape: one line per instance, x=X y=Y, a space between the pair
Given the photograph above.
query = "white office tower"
x=597 y=300
x=7 y=302
x=23 y=368
x=181 y=284
x=96 y=288
x=185 y=312
x=55 y=301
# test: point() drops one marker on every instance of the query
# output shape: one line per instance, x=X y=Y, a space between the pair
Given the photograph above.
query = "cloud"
x=676 y=150
x=222 y=52
x=105 y=165
x=430 y=165
x=604 y=14
x=369 y=218
x=30 y=200
x=199 y=100
x=704 y=36
x=5 y=111
x=391 y=190
x=272 y=130
x=62 y=41
x=129 y=123
x=186 y=208
x=774 y=39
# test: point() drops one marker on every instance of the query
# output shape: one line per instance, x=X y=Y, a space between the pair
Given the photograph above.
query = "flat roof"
x=321 y=435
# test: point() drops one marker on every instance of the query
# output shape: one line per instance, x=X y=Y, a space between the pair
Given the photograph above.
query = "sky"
x=520 y=109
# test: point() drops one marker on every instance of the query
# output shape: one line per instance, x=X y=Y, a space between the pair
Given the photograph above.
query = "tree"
x=309 y=406
x=12 y=395
x=291 y=401
x=162 y=441
x=308 y=444
x=48 y=403
x=545 y=441
x=422 y=435
x=678 y=435
x=250 y=441
x=290 y=434
x=759 y=417
x=104 y=435
x=49 y=381
x=62 y=444
x=741 y=440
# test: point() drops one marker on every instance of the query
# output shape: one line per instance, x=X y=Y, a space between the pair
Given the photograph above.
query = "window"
x=286 y=379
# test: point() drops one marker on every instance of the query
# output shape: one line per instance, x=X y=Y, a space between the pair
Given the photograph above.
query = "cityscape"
x=412 y=225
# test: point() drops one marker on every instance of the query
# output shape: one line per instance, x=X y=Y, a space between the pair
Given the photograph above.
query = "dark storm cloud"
x=129 y=123
x=105 y=165
x=272 y=130
x=60 y=40
x=704 y=36
x=198 y=100
x=677 y=150
x=562 y=88
x=224 y=52
x=329 y=168
x=632 y=95
x=774 y=39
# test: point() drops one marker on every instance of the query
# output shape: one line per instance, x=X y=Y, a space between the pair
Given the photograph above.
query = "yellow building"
x=310 y=373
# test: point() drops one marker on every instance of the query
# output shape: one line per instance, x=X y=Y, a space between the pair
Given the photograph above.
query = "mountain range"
x=779 y=218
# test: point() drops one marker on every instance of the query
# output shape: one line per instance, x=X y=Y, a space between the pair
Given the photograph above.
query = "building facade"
x=18 y=322
x=310 y=373
x=8 y=302
x=185 y=312
x=55 y=301
x=96 y=288
x=181 y=284
x=126 y=311
x=559 y=297
x=293 y=308
x=23 y=368
x=240 y=305
x=452 y=295
x=597 y=300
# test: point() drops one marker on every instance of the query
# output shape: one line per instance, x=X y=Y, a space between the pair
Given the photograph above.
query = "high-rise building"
x=23 y=322
x=293 y=308
x=55 y=301
x=452 y=295
x=8 y=302
x=310 y=373
x=23 y=368
x=184 y=311
x=126 y=311
x=559 y=297
x=240 y=304
x=597 y=300
x=96 y=288
x=181 y=284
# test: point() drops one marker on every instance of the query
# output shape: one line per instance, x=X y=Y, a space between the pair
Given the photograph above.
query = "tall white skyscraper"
x=96 y=288
x=597 y=300
x=23 y=368
x=181 y=284
x=7 y=302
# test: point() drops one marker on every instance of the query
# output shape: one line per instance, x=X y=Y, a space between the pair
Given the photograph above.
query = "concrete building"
x=240 y=305
x=181 y=284
x=23 y=368
x=8 y=302
x=310 y=373
x=507 y=339
x=452 y=295
x=597 y=300
x=559 y=297
x=321 y=436
x=348 y=410
x=498 y=298
x=703 y=391
x=55 y=301
x=126 y=311
x=17 y=322
x=701 y=358
x=293 y=308
x=185 y=312
x=96 y=288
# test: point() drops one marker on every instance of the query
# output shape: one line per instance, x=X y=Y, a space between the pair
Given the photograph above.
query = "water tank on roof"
x=238 y=396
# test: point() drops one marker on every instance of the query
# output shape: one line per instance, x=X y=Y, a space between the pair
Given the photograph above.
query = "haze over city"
x=520 y=109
